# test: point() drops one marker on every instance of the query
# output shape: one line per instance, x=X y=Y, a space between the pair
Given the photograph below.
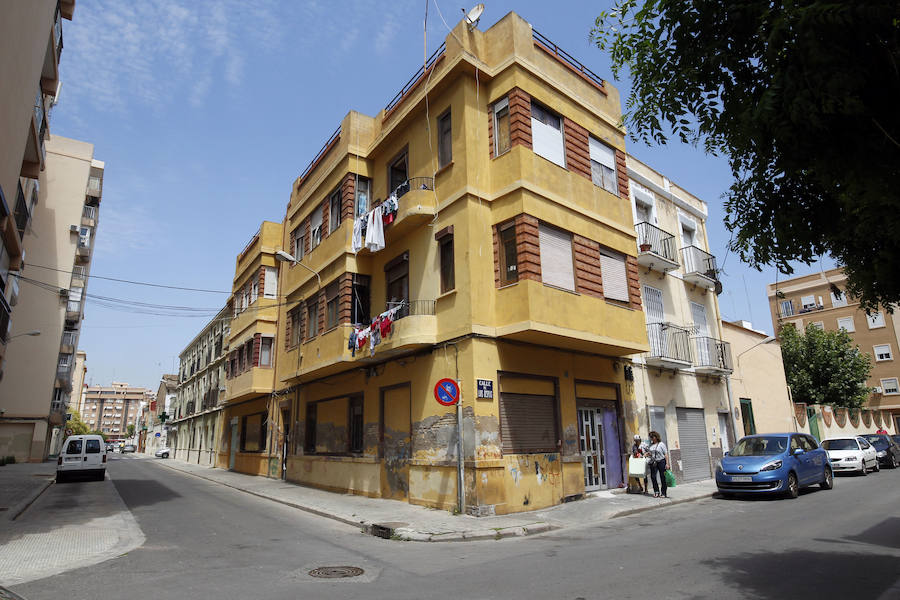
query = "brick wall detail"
x=528 y=247
x=588 y=278
x=348 y=193
x=634 y=282
x=288 y=327
x=321 y=314
x=621 y=174
x=578 y=151
x=345 y=297
x=256 y=344
x=519 y=118
x=496 y=244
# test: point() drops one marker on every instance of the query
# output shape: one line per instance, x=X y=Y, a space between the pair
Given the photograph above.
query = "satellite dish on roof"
x=473 y=16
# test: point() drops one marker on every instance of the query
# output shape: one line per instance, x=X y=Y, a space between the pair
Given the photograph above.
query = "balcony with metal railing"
x=699 y=267
x=94 y=186
x=21 y=214
x=656 y=248
x=711 y=355
x=670 y=346
x=89 y=216
x=415 y=207
x=69 y=339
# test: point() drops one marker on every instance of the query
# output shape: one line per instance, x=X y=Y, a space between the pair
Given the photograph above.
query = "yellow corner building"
x=499 y=243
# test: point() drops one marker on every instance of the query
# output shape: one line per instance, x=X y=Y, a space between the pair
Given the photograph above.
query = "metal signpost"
x=447 y=393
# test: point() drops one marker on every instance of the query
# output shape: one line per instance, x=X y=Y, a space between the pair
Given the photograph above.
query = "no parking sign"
x=446 y=392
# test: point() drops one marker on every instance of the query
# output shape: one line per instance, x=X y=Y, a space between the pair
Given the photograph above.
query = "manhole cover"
x=336 y=572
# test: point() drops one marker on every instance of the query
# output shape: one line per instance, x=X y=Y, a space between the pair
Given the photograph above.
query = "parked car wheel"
x=865 y=469
x=166 y=455
x=893 y=462
x=100 y=476
x=877 y=466
x=60 y=477
x=828 y=482
x=793 y=487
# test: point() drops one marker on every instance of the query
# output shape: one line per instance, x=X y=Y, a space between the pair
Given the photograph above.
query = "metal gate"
x=694 y=445
x=591 y=442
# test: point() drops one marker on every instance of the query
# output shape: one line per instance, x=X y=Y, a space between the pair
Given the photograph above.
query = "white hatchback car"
x=82 y=454
x=851 y=454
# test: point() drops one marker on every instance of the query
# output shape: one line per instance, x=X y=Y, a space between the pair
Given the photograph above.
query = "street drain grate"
x=336 y=572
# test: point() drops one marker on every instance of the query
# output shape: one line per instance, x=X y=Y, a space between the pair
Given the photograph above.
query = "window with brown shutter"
x=557 y=264
x=445 y=251
x=312 y=318
x=528 y=423
x=501 y=127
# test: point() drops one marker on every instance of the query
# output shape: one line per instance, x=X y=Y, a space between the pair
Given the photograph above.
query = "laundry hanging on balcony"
x=368 y=230
x=372 y=335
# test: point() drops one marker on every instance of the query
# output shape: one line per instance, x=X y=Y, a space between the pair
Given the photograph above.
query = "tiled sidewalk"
x=20 y=484
x=392 y=518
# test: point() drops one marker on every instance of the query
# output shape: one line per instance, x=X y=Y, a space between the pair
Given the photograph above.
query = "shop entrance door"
x=590 y=437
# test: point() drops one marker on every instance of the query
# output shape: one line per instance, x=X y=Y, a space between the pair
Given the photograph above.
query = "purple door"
x=612 y=448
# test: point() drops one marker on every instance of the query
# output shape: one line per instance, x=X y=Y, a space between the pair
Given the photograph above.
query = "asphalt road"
x=209 y=541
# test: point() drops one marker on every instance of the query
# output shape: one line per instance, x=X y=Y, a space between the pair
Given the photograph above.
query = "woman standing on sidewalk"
x=656 y=456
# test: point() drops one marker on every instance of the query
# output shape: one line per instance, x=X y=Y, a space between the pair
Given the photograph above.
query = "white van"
x=82 y=454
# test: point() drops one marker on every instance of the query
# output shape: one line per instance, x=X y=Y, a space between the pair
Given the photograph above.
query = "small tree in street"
x=77 y=426
x=823 y=367
x=130 y=430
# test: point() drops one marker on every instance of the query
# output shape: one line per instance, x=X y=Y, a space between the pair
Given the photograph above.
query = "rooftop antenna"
x=473 y=16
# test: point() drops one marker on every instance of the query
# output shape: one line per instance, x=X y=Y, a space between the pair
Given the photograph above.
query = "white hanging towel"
x=375 y=231
x=357 y=234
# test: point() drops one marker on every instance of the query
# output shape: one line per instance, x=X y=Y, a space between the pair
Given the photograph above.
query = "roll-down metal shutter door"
x=527 y=423
x=694 y=446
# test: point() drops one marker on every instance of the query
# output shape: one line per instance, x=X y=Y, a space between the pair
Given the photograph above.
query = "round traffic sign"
x=446 y=392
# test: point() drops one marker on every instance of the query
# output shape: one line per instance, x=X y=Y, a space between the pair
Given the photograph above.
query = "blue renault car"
x=774 y=463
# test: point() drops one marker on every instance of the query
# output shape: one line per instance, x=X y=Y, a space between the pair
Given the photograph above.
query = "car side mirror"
x=798 y=451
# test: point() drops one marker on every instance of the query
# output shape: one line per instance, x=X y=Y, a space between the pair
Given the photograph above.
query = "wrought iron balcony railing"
x=699 y=261
x=414 y=183
x=669 y=342
x=651 y=238
x=711 y=354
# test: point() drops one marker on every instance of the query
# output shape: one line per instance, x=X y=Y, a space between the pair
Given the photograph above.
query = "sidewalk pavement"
x=399 y=520
x=21 y=484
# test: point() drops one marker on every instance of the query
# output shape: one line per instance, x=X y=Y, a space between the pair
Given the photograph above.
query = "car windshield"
x=840 y=445
x=879 y=441
x=760 y=446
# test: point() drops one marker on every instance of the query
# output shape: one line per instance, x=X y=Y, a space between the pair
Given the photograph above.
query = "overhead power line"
x=145 y=283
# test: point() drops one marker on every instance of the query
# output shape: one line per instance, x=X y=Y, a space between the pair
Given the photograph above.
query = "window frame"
x=500 y=114
x=890 y=352
x=786 y=313
x=611 y=255
x=309 y=431
x=836 y=302
x=444 y=139
x=360 y=196
x=334 y=210
x=332 y=305
x=852 y=328
x=316 y=234
x=875 y=321
x=896 y=386
x=271 y=347
x=312 y=318
x=538 y=122
x=261 y=441
x=356 y=426
x=402 y=156
x=503 y=231
x=548 y=233
x=447 y=262
x=611 y=186
x=299 y=237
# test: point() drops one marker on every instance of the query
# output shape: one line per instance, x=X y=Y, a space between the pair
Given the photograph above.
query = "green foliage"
x=130 y=430
x=802 y=99
x=77 y=426
x=823 y=367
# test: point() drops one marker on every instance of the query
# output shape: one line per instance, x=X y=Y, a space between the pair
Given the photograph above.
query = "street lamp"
x=283 y=256
x=33 y=333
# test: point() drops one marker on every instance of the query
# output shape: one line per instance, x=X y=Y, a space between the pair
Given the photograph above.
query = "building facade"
x=759 y=387
x=499 y=253
x=31 y=42
x=681 y=382
x=156 y=415
x=111 y=409
x=821 y=300
x=253 y=428
x=52 y=289
x=200 y=393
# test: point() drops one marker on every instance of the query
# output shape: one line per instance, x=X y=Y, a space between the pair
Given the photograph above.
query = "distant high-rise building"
x=111 y=409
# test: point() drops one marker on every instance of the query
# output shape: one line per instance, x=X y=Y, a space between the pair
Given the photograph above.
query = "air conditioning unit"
x=877 y=389
x=73 y=229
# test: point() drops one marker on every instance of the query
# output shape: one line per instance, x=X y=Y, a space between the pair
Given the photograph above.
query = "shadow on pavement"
x=806 y=574
x=143 y=492
x=886 y=533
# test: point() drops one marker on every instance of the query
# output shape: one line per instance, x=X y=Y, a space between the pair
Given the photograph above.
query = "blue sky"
x=205 y=113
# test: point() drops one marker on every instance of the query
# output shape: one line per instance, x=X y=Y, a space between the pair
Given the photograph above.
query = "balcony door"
x=701 y=329
x=653 y=302
x=688 y=237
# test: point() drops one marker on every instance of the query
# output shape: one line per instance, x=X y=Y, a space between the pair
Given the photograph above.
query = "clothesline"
x=368 y=229
x=381 y=327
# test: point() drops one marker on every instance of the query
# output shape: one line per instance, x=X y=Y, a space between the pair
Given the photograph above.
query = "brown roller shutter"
x=528 y=423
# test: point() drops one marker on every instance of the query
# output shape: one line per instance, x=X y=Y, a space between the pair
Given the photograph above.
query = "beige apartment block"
x=156 y=414
x=200 y=393
x=31 y=41
x=35 y=391
x=111 y=409
x=681 y=383
x=820 y=300
x=79 y=381
x=758 y=384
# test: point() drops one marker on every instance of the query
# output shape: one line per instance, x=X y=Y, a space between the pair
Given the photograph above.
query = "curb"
x=633 y=511
x=19 y=508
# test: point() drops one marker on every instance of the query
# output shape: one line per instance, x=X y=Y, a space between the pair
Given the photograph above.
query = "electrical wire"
x=157 y=285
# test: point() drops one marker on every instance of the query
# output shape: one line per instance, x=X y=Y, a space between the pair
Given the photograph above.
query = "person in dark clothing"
x=656 y=456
